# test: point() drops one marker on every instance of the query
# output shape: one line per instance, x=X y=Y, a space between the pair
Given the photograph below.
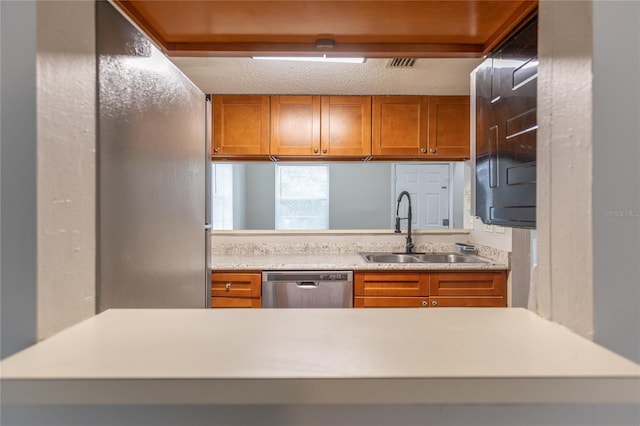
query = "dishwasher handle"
x=307 y=284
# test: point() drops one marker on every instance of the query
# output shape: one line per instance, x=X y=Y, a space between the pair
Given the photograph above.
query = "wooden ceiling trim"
x=370 y=50
x=521 y=16
x=141 y=21
x=464 y=45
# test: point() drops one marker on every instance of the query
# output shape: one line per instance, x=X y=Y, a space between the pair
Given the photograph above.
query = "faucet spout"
x=409 y=245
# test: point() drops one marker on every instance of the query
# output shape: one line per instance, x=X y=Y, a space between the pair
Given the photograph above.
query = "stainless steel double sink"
x=382 y=257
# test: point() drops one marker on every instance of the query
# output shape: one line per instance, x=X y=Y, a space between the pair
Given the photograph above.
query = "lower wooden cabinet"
x=377 y=289
x=480 y=289
x=236 y=289
x=390 y=289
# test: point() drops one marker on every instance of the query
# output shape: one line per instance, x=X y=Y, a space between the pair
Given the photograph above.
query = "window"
x=302 y=197
x=222 y=196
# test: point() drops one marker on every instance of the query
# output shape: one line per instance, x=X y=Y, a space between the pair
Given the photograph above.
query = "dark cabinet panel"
x=506 y=129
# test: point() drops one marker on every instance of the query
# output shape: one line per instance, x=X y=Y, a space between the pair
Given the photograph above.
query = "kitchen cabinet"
x=449 y=127
x=236 y=290
x=316 y=126
x=390 y=289
x=240 y=126
x=429 y=289
x=481 y=289
x=421 y=127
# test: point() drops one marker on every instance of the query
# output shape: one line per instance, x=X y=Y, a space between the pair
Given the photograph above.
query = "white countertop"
x=317 y=356
x=336 y=261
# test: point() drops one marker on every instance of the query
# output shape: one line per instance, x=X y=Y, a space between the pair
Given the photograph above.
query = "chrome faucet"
x=409 y=247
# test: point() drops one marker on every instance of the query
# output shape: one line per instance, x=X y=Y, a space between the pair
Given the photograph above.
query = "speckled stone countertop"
x=312 y=256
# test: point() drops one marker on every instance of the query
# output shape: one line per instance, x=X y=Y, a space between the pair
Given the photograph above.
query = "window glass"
x=302 y=197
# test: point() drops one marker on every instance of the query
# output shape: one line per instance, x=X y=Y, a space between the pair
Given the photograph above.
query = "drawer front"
x=390 y=302
x=466 y=284
x=391 y=284
x=467 y=302
x=235 y=302
x=235 y=284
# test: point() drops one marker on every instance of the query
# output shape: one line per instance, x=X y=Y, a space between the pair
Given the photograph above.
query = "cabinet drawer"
x=391 y=284
x=467 y=302
x=390 y=302
x=236 y=302
x=467 y=284
x=236 y=284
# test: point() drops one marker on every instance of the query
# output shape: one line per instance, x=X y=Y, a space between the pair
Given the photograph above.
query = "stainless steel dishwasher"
x=307 y=289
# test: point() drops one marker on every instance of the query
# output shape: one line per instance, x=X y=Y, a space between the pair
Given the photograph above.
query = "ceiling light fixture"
x=323 y=58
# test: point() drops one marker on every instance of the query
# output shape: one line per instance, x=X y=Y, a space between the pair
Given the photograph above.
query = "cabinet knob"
x=216 y=149
x=324 y=150
x=227 y=286
x=424 y=303
x=315 y=150
x=423 y=150
x=434 y=303
x=432 y=150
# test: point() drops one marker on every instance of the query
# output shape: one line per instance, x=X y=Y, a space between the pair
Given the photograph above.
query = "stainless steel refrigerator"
x=152 y=162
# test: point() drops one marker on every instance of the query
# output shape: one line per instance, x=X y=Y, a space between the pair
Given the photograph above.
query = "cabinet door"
x=236 y=302
x=405 y=284
x=240 y=125
x=449 y=127
x=346 y=125
x=467 y=302
x=390 y=302
x=295 y=125
x=466 y=284
x=399 y=126
x=236 y=284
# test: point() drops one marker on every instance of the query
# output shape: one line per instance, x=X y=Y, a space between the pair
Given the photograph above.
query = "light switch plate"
x=488 y=228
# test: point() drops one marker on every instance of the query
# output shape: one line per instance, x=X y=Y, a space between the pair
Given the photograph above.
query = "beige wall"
x=66 y=124
x=563 y=279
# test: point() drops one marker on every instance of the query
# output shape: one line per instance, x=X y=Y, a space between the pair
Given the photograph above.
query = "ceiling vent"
x=401 y=63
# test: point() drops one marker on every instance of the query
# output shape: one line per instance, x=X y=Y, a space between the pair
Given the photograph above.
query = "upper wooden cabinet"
x=321 y=126
x=400 y=126
x=435 y=127
x=240 y=125
x=449 y=127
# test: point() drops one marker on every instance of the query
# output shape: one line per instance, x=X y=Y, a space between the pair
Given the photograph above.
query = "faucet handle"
x=397 y=231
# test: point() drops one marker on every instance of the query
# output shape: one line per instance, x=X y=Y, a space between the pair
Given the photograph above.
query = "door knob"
x=216 y=149
x=424 y=303
x=423 y=150
x=434 y=303
x=227 y=286
x=432 y=150
x=315 y=150
x=324 y=150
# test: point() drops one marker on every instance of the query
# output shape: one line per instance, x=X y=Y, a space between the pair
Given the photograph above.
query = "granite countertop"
x=336 y=261
x=317 y=356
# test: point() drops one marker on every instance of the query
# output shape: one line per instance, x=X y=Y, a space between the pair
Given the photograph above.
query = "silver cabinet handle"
x=424 y=303
x=432 y=150
x=227 y=286
x=216 y=149
x=423 y=150
x=315 y=150
x=324 y=150
x=434 y=303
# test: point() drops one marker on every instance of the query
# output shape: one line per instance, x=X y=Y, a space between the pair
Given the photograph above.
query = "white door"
x=428 y=185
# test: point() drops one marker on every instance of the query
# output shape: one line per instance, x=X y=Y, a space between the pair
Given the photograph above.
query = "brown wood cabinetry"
x=449 y=128
x=467 y=289
x=390 y=289
x=400 y=126
x=314 y=126
x=240 y=125
x=421 y=127
x=429 y=289
x=236 y=289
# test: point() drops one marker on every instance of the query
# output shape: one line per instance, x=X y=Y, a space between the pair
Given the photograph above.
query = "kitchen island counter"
x=317 y=356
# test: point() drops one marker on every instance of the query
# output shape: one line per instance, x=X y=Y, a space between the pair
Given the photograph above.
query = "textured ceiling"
x=249 y=76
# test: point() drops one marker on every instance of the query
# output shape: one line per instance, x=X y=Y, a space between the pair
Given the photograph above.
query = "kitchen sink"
x=420 y=258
